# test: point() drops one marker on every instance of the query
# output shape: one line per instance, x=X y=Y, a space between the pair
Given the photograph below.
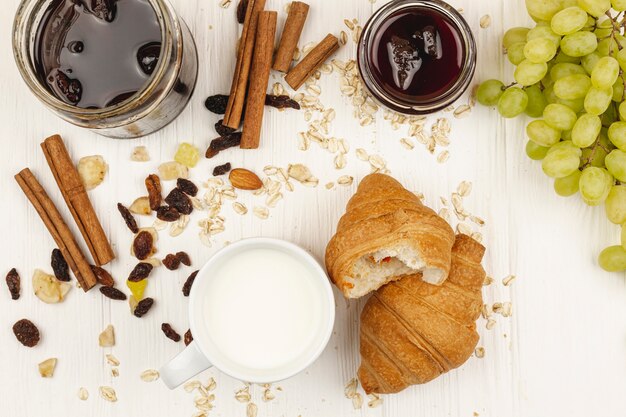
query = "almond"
x=244 y=180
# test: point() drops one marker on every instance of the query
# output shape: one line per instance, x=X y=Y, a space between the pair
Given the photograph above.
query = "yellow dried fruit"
x=137 y=288
x=132 y=303
x=141 y=206
x=173 y=170
x=49 y=289
x=187 y=155
x=46 y=368
x=107 y=337
x=92 y=170
x=140 y=154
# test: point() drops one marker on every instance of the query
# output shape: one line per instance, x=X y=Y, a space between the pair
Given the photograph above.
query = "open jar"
x=67 y=52
x=416 y=56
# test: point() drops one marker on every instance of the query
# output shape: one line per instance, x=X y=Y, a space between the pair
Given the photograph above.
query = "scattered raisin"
x=26 y=333
x=281 y=102
x=187 y=187
x=140 y=272
x=142 y=245
x=221 y=169
x=179 y=200
x=59 y=266
x=128 y=218
x=222 y=143
x=217 y=103
x=223 y=130
x=13 y=282
x=169 y=332
x=241 y=11
x=113 y=293
x=171 y=262
x=167 y=214
x=143 y=307
x=188 y=337
x=189 y=284
x=153 y=185
x=183 y=258
x=102 y=276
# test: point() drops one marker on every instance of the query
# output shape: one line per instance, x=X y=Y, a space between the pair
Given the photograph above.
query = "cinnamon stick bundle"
x=234 y=108
x=57 y=227
x=77 y=200
x=259 y=77
x=301 y=72
x=298 y=12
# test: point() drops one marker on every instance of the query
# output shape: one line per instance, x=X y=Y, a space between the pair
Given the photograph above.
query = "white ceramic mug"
x=261 y=345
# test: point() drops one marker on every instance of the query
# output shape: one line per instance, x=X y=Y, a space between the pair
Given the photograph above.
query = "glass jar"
x=368 y=57
x=156 y=104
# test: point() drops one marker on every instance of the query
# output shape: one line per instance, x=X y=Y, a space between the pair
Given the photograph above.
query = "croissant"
x=387 y=233
x=412 y=332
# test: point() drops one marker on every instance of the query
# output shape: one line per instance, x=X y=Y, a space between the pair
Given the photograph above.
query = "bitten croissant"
x=412 y=332
x=385 y=234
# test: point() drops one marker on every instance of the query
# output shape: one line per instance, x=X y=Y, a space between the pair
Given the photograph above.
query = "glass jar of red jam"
x=122 y=68
x=416 y=57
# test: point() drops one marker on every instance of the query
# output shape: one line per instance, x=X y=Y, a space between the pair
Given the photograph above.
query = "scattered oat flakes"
x=345 y=180
x=243 y=395
x=115 y=372
x=83 y=394
x=462 y=111
x=251 y=410
x=261 y=212
x=112 y=360
x=140 y=154
x=508 y=280
x=479 y=352
x=488 y=281
x=485 y=21
x=374 y=401
x=357 y=401
x=491 y=323
x=108 y=394
x=46 y=368
x=443 y=156
x=350 y=388
x=191 y=385
x=149 y=375
x=268 y=395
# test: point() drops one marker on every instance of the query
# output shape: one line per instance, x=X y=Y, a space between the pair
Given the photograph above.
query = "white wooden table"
x=562 y=353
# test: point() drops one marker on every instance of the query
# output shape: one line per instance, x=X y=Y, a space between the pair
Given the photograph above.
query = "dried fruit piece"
x=187 y=154
x=140 y=272
x=241 y=11
x=46 y=368
x=221 y=169
x=223 y=142
x=102 y=276
x=143 y=307
x=168 y=214
x=189 y=284
x=183 y=258
x=153 y=185
x=128 y=218
x=137 y=288
x=188 y=337
x=281 y=102
x=143 y=245
x=187 y=187
x=92 y=170
x=223 y=130
x=169 y=332
x=59 y=266
x=171 y=262
x=244 y=179
x=170 y=171
x=26 y=332
x=179 y=200
x=13 y=282
x=217 y=103
x=107 y=337
x=113 y=293
x=141 y=206
x=140 y=154
x=49 y=289
x=149 y=375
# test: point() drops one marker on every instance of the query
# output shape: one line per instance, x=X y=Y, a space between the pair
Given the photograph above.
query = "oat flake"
x=108 y=394
x=149 y=375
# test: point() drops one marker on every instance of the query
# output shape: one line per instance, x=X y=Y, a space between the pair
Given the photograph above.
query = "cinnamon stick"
x=301 y=72
x=77 y=200
x=236 y=101
x=259 y=77
x=57 y=227
x=298 y=12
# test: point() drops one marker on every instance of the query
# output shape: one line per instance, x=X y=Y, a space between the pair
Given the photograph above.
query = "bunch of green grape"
x=570 y=76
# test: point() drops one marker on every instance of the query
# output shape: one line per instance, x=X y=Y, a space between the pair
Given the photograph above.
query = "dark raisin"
x=169 y=332
x=183 y=258
x=59 y=266
x=223 y=130
x=142 y=245
x=241 y=11
x=128 y=218
x=153 y=185
x=217 y=103
x=143 y=307
x=222 y=143
x=281 y=102
x=179 y=200
x=171 y=262
x=187 y=187
x=221 y=169
x=188 y=337
x=26 y=333
x=167 y=214
x=113 y=293
x=189 y=284
x=140 y=272
x=67 y=89
x=180 y=87
x=102 y=276
x=13 y=282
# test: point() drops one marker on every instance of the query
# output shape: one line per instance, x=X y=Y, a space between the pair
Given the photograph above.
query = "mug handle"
x=184 y=366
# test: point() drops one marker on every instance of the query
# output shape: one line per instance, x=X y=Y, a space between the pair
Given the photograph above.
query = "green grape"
x=609 y=116
x=594 y=156
x=562 y=58
x=548 y=93
x=540 y=50
x=613 y=259
x=567 y=186
x=598 y=100
x=617 y=135
x=539 y=132
x=566 y=135
x=529 y=73
x=622 y=111
x=621 y=59
x=595 y=7
x=489 y=92
x=615 y=204
x=605 y=72
x=536 y=152
x=569 y=20
x=618 y=5
x=586 y=130
x=559 y=116
x=536 y=101
x=572 y=87
x=515 y=53
x=513 y=102
x=618 y=90
x=579 y=43
x=561 y=160
x=616 y=164
x=610 y=46
x=589 y=62
x=546 y=81
x=514 y=35
x=595 y=185
x=543 y=9
x=604 y=28
x=590 y=25
x=561 y=70
x=577 y=105
x=543 y=31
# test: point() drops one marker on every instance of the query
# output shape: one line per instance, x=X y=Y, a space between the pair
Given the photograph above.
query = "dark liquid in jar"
x=417 y=55
x=97 y=53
